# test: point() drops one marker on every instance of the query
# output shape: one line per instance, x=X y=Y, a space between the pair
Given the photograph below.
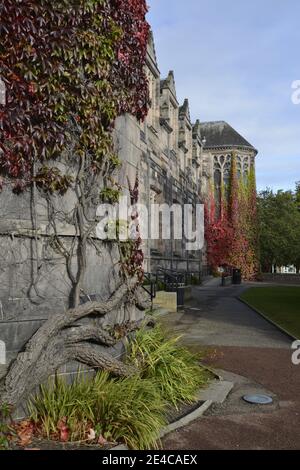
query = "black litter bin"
x=180 y=296
x=223 y=282
x=236 y=276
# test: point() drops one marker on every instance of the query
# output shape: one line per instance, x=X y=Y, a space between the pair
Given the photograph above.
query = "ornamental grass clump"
x=175 y=370
x=60 y=403
x=127 y=410
x=131 y=410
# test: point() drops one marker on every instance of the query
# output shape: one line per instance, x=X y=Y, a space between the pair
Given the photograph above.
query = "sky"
x=236 y=61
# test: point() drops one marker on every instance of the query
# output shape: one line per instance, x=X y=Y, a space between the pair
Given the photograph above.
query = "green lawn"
x=279 y=304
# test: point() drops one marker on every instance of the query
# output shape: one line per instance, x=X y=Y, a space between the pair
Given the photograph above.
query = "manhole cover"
x=258 y=399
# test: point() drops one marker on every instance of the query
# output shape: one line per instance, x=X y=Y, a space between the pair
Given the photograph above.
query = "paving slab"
x=217 y=391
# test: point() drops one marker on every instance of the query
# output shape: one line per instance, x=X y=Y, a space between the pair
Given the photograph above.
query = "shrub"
x=160 y=285
x=195 y=281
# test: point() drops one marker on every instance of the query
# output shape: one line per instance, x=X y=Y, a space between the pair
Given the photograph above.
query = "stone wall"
x=28 y=297
x=33 y=278
x=292 y=279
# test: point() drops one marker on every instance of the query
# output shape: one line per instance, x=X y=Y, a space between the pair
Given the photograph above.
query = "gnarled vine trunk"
x=62 y=339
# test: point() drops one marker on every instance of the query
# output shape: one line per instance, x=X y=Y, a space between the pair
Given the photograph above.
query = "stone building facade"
x=178 y=161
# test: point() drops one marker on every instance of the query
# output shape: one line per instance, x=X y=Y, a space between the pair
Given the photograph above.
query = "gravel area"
x=238 y=425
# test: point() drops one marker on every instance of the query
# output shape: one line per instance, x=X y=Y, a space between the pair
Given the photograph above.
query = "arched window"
x=222 y=171
x=222 y=165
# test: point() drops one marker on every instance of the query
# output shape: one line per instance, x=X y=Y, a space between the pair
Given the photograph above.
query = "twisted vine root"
x=59 y=341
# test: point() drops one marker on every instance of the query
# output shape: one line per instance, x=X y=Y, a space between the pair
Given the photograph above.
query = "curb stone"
x=217 y=392
x=120 y=447
x=187 y=419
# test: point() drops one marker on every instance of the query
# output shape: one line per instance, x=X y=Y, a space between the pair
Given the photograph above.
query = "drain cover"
x=258 y=399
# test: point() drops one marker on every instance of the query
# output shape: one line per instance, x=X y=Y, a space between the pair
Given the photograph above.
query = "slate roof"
x=221 y=134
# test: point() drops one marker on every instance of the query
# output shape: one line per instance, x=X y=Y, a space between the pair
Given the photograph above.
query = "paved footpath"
x=253 y=354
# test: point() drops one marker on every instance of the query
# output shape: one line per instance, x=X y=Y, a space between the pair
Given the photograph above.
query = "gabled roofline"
x=226 y=147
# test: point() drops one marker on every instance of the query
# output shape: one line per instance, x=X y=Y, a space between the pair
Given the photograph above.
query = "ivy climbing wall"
x=231 y=215
x=70 y=69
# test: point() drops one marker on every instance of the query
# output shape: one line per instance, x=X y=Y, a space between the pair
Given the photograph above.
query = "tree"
x=279 y=220
x=70 y=69
x=297 y=245
x=297 y=194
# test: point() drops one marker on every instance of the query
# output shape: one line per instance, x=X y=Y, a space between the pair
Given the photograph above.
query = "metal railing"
x=150 y=286
x=170 y=278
